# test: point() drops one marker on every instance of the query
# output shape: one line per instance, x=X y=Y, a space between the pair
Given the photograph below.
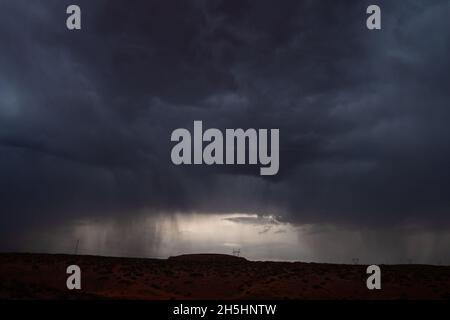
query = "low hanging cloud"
x=86 y=117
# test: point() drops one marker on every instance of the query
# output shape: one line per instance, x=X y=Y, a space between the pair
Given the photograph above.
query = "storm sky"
x=86 y=118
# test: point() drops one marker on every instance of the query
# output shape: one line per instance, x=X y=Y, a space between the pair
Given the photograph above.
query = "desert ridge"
x=211 y=277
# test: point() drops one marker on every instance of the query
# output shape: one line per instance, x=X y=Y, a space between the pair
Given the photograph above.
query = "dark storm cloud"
x=86 y=117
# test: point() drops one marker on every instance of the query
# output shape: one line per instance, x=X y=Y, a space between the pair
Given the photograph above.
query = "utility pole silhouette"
x=76 y=246
x=237 y=252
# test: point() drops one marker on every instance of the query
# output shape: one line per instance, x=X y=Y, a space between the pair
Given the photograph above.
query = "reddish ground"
x=42 y=276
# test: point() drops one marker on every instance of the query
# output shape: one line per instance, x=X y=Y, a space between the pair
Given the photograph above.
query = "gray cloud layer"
x=86 y=117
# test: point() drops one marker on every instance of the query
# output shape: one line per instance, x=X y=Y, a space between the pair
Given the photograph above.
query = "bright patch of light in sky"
x=257 y=238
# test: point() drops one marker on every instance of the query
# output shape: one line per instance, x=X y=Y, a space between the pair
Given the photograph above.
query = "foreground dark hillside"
x=43 y=276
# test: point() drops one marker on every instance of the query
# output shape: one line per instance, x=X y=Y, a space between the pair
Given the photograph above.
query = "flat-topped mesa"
x=207 y=257
x=237 y=147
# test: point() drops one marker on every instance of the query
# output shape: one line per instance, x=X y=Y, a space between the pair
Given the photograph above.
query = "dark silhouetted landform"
x=211 y=276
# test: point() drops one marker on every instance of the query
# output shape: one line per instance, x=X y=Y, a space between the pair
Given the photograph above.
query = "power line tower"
x=76 y=246
x=237 y=252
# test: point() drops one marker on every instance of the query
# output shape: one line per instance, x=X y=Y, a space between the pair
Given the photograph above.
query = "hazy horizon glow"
x=258 y=238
